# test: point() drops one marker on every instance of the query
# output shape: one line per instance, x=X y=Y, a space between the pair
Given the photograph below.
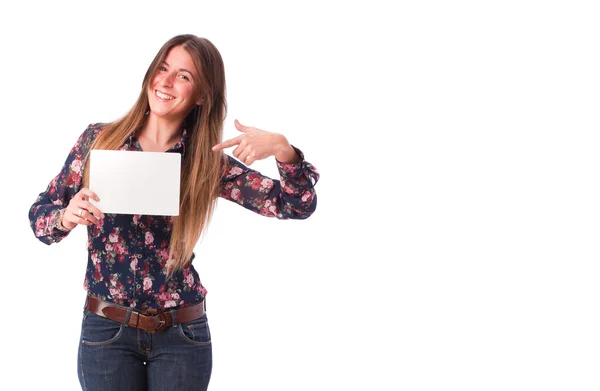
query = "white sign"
x=135 y=182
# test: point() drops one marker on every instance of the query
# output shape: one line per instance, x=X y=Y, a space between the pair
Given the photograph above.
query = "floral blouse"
x=127 y=253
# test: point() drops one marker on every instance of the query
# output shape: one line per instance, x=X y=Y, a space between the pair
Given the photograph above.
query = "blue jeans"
x=115 y=357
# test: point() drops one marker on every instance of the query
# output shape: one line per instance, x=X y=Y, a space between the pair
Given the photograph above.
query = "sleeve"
x=44 y=212
x=291 y=197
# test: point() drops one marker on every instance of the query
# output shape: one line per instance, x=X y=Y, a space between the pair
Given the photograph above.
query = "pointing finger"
x=227 y=143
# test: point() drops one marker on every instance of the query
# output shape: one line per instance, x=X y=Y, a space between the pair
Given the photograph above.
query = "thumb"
x=241 y=127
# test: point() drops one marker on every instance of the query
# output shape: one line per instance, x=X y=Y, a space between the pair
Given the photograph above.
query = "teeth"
x=164 y=96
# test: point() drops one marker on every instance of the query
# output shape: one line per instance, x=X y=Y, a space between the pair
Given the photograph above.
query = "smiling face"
x=173 y=90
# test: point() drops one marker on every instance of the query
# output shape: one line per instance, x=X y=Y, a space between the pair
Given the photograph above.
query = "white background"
x=455 y=245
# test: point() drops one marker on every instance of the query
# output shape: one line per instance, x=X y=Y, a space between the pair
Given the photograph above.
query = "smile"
x=163 y=96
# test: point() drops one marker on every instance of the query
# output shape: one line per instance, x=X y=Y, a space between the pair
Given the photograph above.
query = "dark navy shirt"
x=127 y=254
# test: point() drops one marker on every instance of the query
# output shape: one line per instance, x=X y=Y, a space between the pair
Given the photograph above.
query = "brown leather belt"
x=152 y=321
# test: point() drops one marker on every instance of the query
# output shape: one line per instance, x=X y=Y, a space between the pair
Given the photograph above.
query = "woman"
x=144 y=325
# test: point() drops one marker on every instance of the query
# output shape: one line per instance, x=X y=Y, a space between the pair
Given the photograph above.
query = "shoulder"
x=96 y=128
x=92 y=130
x=89 y=135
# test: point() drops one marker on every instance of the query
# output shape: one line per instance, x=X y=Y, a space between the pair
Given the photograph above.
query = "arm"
x=291 y=197
x=45 y=213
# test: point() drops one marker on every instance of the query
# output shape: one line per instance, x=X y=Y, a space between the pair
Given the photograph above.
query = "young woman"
x=144 y=324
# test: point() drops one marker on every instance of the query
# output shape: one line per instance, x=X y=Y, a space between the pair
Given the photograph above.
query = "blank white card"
x=135 y=182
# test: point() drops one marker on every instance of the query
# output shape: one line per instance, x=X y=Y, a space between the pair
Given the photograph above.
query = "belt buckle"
x=162 y=322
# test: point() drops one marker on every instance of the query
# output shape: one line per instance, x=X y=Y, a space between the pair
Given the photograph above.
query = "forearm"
x=291 y=197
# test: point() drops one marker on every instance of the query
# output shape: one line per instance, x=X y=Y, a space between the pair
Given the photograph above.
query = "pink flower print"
x=76 y=165
x=271 y=207
x=266 y=183
x=147 y=283
x=256 y=183
x=73 y=179
x=201 y=289
x=136 y=219
x=113 y=237
x=40 y=224
x=290 y=169
x=175 y=296
x=133 y=264
x=119 y=249
x=97 y=274
x=189 y=280
x=149 y=238
x=164 y=254
x=235 y=194
x=234 y=171
x=170 y=304
x=307 y=196
x=109 y=247
x=288 y=188
x=226 y=194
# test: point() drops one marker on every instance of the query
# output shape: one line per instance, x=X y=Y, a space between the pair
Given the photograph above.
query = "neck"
x=161 y=131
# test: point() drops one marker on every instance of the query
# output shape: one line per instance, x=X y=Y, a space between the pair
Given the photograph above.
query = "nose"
x=167 y=80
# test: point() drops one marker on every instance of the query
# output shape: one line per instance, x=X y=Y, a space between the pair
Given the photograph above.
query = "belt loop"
x=174 y=318
x=128 y=316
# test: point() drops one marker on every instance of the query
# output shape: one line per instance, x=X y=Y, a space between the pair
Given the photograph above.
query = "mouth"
x=162 y=96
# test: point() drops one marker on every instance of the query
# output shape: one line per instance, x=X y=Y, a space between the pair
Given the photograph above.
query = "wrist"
x=286 y=154
x=60 y=222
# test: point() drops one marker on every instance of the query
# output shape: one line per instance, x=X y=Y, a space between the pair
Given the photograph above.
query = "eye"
x=162 y=68
x=184 y=77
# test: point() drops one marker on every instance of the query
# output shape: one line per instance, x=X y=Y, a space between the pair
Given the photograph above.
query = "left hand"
x=256 y=144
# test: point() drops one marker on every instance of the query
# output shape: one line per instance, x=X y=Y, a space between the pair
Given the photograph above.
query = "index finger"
x=88 y=193
x=228 y=143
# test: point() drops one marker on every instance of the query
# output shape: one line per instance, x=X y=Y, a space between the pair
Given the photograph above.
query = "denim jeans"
x=115 y=357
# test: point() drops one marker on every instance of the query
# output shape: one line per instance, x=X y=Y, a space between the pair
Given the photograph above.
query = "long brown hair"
x=201 y=167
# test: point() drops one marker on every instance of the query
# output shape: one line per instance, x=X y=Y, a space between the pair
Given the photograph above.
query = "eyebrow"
x=181 y=69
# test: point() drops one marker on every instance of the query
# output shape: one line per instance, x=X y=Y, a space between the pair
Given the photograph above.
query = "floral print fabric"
x=127 y=254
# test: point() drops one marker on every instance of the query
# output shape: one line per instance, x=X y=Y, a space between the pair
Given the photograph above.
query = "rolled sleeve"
x=43 y=214
x=293 y=196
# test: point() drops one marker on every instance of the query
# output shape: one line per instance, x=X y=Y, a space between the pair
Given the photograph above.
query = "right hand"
x=81 y=211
